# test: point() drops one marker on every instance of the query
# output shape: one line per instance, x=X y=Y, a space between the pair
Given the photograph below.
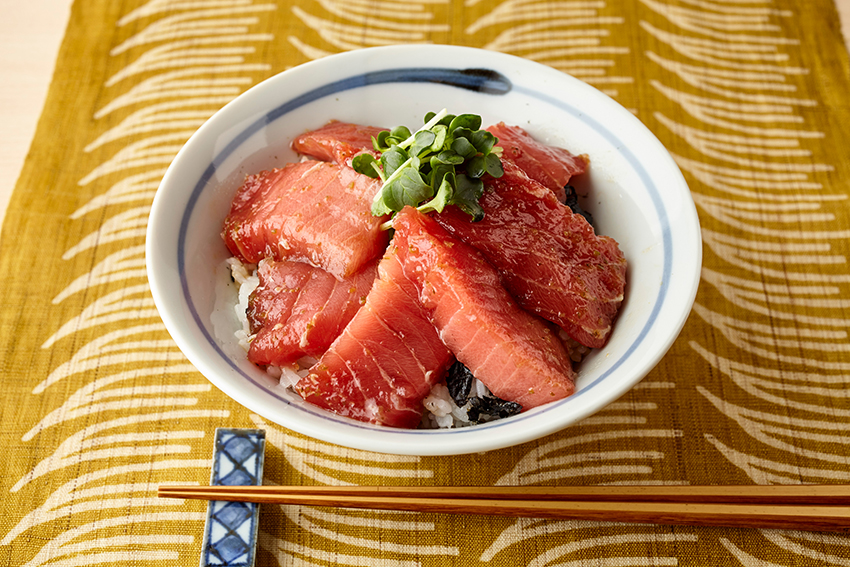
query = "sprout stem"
x=428 y=125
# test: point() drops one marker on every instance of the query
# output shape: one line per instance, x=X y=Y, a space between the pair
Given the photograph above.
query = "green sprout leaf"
x=400 y=133
x=440 y=164
x=380 y=142
x=393 y=159
x=379 y=208
x=476 y=167
x=483 y=141
x=422 y=142
x=440 y=134
x=466 y=196
x=444 y=119
x=447 y=157
x=468 y=121
x=367 y=165
x=442 y=198
x=407 y=189
x=493 y=165
x=464 y=147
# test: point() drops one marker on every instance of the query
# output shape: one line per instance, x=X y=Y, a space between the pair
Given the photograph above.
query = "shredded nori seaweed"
x=571 y=201
x=459 y=382
x=491 y=406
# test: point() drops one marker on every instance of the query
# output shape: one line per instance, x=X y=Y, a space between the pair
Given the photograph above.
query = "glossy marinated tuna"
x=385 y=361
x=549 y=258
x=298 y=310
x=552 y=167
x=314 y=212
x=337 y=142
x=513 y=352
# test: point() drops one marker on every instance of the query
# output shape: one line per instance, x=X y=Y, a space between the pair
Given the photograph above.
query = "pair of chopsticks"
x=800 y=507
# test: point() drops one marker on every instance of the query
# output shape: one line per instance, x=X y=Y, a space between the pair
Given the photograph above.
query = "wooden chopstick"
x=814 y=494
x=802 y=507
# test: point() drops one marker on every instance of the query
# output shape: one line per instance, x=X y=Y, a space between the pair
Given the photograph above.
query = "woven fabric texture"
x=99 y=406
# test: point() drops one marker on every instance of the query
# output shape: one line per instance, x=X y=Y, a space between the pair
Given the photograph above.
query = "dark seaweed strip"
x=459 y=381
x=571 y=200
x=491 y=406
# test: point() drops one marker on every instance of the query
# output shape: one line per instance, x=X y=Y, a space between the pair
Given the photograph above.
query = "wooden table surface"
x=30 y=34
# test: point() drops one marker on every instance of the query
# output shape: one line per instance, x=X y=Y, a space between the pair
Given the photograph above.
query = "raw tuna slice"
x=337 y=142
x=298 y=310
x=385 y=361
x=551 y=166
x=549 y=258
x=513 y=352
x=313 y=211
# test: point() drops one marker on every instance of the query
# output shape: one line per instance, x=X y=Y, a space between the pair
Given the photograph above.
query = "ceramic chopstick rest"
x=230 y=533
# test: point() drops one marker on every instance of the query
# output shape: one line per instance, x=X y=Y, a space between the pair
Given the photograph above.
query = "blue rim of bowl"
x=481 y=80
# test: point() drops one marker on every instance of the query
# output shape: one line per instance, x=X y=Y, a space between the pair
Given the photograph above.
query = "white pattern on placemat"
x=749 y=142
x=132 y=412
x=571 y=36
x=325 y=463
x=587 y=537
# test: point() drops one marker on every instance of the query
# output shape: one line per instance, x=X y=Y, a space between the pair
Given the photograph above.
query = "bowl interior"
x=633 y=189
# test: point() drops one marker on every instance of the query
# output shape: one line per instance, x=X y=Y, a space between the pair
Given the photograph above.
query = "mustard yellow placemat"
x=99 y=406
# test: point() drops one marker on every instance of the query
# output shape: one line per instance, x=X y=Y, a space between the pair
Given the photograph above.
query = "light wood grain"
x=801 y=507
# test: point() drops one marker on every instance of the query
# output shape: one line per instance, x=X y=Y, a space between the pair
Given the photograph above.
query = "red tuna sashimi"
x=298 y=310
x=337 y=141
x=385 y=361
x=513 y=352
x=550 y=259
x=313 y=211
x=551 y=166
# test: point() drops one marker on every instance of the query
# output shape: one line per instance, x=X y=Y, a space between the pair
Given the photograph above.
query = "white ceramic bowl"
x=635 y=191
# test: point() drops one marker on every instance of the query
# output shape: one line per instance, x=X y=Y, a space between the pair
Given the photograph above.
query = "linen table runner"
x=99 y=406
